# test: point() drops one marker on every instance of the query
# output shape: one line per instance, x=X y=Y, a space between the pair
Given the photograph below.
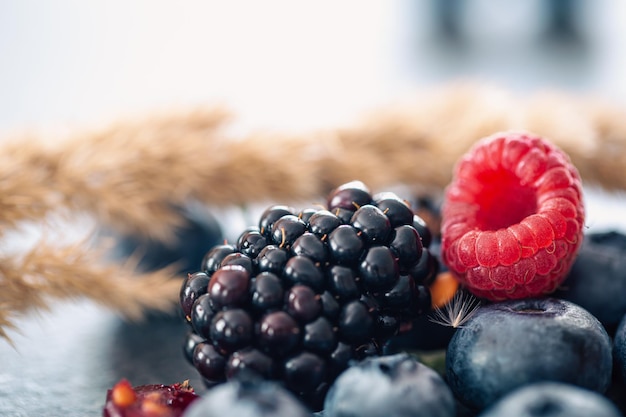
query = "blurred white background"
x=289 y=64
x=295 y=65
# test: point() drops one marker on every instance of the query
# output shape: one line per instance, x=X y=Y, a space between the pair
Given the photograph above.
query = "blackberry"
x=303 y=294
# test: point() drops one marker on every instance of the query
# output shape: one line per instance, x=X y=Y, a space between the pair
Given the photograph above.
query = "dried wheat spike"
x=49 y=272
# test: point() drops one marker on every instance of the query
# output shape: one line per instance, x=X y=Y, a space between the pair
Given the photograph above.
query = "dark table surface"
x=63 y=361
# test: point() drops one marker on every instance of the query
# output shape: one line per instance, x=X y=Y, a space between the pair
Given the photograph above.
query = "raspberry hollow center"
x=504 y=201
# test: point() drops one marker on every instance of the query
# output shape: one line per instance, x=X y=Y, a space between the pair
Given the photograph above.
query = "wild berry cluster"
x=304 y=293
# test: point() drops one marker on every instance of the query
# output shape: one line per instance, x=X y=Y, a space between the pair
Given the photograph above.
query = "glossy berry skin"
x=270 y=215
x=508 y=344
x=266 y=292
x=272 y=259
x=250 y=359
x=395 y=386
x=349 y=196
x=597 y=280
x=552 y=399
x=355 y=322
x=372 y=223
x=229 y=286
x=278 y=333
x=323 y=222
x=195 y=285
x=286 y=230
x=345 y=244
x=396 y=209
x=303 y=303
x=231 y=329
x=512 y=218
x=311 y=246
x=379 y=268
x=209 y=362
x=251 y=242
x=212 y=260
x=255 y=398
x=301 y=296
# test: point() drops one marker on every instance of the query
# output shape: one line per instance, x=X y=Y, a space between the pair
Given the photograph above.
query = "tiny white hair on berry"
x=456 y=312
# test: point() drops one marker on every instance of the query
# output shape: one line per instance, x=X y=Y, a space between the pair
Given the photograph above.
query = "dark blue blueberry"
x=397 y=386
x=249 y=398
x=505 y=345
x=552 y=399
x=597 y=280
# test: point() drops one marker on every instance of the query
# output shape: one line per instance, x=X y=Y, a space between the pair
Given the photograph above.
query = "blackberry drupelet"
x=303 y=294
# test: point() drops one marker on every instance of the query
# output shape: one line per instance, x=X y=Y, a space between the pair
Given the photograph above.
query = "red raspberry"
x=512 y=217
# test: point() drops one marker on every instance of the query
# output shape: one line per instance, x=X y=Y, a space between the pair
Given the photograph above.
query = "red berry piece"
x=155 y=400
x=512 y=217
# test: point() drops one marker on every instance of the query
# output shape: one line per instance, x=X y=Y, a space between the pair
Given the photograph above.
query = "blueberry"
x=597 y=280
x=247 y=398
x=619 y=349
x=393 y=386
x=509 y=344
x=552 y=399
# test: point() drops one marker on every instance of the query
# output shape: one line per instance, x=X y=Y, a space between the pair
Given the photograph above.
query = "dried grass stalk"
x=49 y=272
x=131 y=174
